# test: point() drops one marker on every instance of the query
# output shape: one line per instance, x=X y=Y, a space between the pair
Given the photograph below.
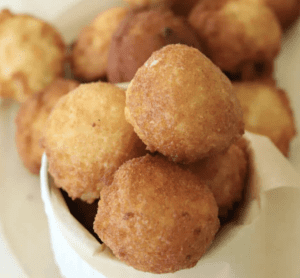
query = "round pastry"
x=183 y=106
x=287 y=11
x=155 y=216
x=87 y=138
x=149 y=3
x=90 y=50
x=225 y=175
x=31 y=118
x=140 y=34
x=4 y=14
x=241 y=37
x=33 y=55
x=267 y=111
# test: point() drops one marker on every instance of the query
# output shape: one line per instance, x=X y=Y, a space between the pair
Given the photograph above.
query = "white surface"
x=45 y=9
x=69 y=262
x=22 y=216
x=23 y=221
x=9 y=266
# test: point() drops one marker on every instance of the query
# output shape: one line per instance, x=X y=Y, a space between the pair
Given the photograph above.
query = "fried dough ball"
x=87 y=138
x=287 y=11
x=183 y=106
x=155 y=216
x=225 y=174
x=32 y=55
x=241 y=37
x=267 y=112
x=31 y=118
x=90 y=51
x=139 y=35
x=149 y=3
x=4 y=14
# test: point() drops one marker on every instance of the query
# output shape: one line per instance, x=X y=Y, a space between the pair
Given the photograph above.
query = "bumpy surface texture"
x=156 y=216
x=31 y=119
x=87 y=138
x=32 y=55
x=225 y=174
x=183 y=106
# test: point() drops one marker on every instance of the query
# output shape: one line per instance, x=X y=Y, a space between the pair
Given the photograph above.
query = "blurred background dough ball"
x=90 y=50
x=155 y=216
x=148 y=3
x=287 y=11
x=267 y=111
x=183 y=106
x=183 y=7
x=4 y=14
x=32 y=55
x=87 y=138
x=225 y=174
x=31 y=119
x=140 y=34
x=241 y=37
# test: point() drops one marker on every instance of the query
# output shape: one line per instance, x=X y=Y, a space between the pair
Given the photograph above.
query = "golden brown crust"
x=90 y=51
x=182 y=105
x=31 y=119
x=87 y=138
x=225 y=174
x=239 y=36
x=140 y=34
x=33 y=55
x=156 y=216
x=267 y=111
x=5 y=14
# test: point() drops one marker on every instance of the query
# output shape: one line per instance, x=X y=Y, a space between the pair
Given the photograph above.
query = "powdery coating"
x=183 y=106
x=87 y=138
x=156 y=216
x=32 y=55
x=31 y=119
x=267 y=111
x=225 y=174
x=140 y=34
x=90 y=51
x=241 y=37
